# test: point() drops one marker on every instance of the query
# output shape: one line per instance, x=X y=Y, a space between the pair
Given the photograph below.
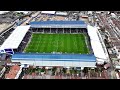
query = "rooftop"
x=116 y=43
x=113 y=38
x=95 y=43
x=13 y=72
x=48 y=12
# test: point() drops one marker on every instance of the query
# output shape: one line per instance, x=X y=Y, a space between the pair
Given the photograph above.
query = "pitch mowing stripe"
x=28 y=48
x=53 y=45
x=50 y=41
x=85 y=46
x=68 y=47
x=47 y=43
x=74 y=41
x=61 y=40
x=39 y=43
x=72 y=44
x=56 y=42
x=79 y=43
x=69 y=44
x=34 y=45
x=64 y=47
x=65 y=43
x=86 y=42
x=60 y=44
x=44 y=43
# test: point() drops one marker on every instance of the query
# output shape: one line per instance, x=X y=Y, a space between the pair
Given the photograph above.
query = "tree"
x=64 y=70
x=75 y=71
x=96 y=69
x=71 y=72
x=42 y=70
x=85 y=70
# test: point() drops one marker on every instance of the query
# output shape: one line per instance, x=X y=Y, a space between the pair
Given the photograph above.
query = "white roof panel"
x=89 y=12
x=118 y=67
x=48 y=12
x=15 y=38
x=61 y=13
x=95 y=43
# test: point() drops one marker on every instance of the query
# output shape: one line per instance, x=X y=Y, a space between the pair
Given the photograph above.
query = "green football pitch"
x=65 y=43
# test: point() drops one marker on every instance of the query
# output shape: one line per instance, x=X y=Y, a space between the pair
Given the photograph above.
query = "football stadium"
x=55 y=43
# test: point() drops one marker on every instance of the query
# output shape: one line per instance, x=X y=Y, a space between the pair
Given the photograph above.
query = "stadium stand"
x=54 y=27
x=56 y=59
x=14 y=40
x=58 y=24
x=96 y=44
